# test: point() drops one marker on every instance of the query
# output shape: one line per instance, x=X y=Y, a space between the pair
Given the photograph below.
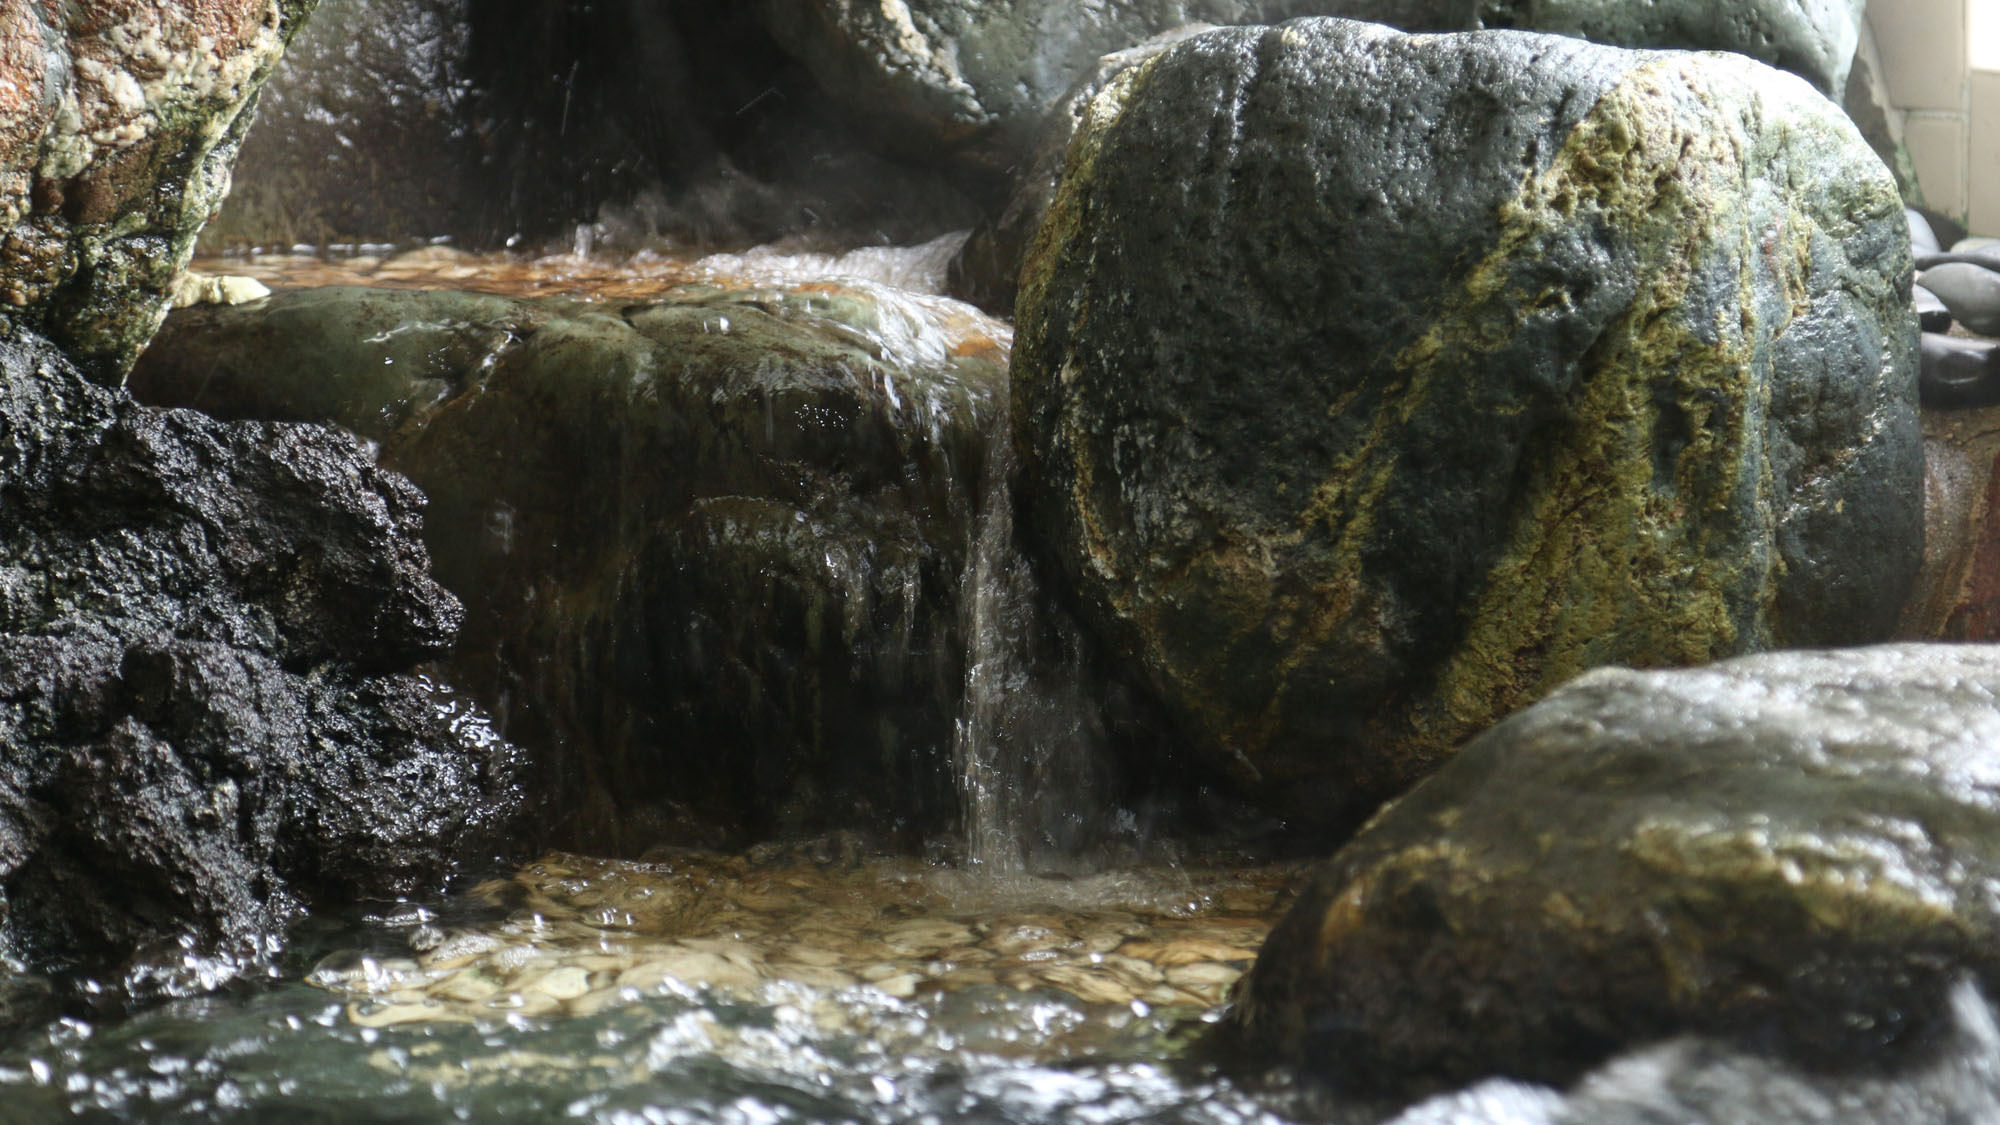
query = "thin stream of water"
x=1028 y=750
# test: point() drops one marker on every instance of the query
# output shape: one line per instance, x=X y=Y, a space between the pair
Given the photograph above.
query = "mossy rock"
x=711 y=546
x=118 y=125
x=1369 y=386
x=1795 y=849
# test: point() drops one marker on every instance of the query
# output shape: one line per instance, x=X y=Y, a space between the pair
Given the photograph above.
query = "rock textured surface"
x=1369 y=386
x=204 y=721
x=975 y=74
x=406 y=120
x=118 y=122
x=1957 y=594
x=712 y=545
x=1798 y=849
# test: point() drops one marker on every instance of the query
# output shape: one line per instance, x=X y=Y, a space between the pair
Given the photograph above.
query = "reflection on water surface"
x=706 y=988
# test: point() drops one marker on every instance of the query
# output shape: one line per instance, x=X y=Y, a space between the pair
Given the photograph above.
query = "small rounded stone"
x=1971 y=292
x=1958 y=372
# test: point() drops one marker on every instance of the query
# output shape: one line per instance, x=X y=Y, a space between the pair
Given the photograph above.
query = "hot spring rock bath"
x=1371 y=387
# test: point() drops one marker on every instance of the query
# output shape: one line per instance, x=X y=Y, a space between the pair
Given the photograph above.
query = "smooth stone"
x=1958 y=372
x=1987 y=257
x=1932 y=315
x=1922 y=238
x=1972 y=293
x=1796 y=848
x=1974 y=242
x=1347 y=445
x=566 y=982
x=1090 y=987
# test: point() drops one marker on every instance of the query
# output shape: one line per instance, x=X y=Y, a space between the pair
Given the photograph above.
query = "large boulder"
x=1369 y=386
x=206 y=719
x=1797 y=850
x=713 y=546
x=974 y=75
x=118 y=122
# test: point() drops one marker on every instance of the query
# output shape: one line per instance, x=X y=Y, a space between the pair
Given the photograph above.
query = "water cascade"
x=1028 y=755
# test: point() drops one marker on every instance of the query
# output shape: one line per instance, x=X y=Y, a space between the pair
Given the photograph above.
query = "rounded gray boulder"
x=1369 y=386
x=1795 y=849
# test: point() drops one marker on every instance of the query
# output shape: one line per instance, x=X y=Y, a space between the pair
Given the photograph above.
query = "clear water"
x=541 y=998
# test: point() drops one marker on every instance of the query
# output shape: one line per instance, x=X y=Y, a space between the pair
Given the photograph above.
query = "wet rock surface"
x=989 y=264
x=1352 y=471
x=712 y=544
x=976 y=75
x=118 y=122
x=1791 y=848
x=205 y=631
x=1957 y=594
x=398 y=121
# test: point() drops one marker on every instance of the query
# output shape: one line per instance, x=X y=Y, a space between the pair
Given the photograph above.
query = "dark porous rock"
x=1370 y=386
x=1971 y=292
x=1796 y=850
x=1958 y=372
x=118 y=122
x=712 y=546
x=204 y=721
x=975 y=76
x=1932 y=315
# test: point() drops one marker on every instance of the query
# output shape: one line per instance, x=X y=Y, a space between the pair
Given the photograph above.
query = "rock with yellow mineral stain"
x=1796 y=848
x=1422 y=373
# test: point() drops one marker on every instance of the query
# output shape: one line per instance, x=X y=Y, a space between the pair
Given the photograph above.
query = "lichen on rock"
x=1794 y=850
x=1370 y=385
x=118 y=123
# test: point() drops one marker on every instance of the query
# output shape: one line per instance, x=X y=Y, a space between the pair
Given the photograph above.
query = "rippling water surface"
x=762 y=988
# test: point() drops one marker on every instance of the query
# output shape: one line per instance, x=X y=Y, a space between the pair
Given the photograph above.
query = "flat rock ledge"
x=1799 y=850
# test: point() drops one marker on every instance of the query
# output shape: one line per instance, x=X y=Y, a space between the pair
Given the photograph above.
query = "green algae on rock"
x=118 y=123
x=711 y=544
x=1369 y=386
x=1798 y=848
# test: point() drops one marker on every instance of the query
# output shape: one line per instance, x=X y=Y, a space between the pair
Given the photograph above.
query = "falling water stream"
x=1028 y=753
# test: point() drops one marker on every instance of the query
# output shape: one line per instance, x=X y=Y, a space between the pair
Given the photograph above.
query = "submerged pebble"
x=730 y=927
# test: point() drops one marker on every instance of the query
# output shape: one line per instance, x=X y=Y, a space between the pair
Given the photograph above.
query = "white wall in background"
x=1941 y=65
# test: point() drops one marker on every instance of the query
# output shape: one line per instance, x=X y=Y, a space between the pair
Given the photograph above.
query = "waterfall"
x=1029 y=745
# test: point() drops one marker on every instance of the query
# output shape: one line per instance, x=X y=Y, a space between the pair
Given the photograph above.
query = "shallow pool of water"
x=762 y=988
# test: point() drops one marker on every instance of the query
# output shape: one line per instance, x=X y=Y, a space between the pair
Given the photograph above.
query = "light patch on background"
x=1982 y=34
